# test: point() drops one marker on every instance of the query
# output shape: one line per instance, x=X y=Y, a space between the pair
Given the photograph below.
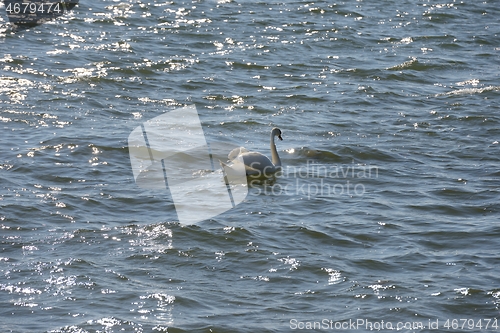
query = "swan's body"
x=257 y=164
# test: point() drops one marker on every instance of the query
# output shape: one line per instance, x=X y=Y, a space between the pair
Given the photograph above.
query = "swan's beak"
x=279 y=137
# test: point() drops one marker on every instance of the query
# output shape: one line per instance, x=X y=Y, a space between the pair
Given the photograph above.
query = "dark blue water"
x=386 y=215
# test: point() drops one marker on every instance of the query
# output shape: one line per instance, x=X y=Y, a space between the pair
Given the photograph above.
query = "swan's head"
x=276 y=132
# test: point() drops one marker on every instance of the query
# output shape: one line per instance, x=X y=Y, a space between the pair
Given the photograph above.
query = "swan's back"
x=257 y=163
x=257 y=160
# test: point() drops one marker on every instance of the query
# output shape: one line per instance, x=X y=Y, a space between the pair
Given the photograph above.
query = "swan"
x=257 y=164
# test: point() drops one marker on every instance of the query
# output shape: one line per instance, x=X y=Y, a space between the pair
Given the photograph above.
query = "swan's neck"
x=274 y=153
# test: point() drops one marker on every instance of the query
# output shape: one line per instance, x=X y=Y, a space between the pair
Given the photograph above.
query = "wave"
x=469 y=91
x=345 y=154
x=416 y=65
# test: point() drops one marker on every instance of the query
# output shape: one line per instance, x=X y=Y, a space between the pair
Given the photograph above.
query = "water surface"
x=407 y=90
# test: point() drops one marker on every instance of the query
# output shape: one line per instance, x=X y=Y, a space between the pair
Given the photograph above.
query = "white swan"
x=257 y=164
